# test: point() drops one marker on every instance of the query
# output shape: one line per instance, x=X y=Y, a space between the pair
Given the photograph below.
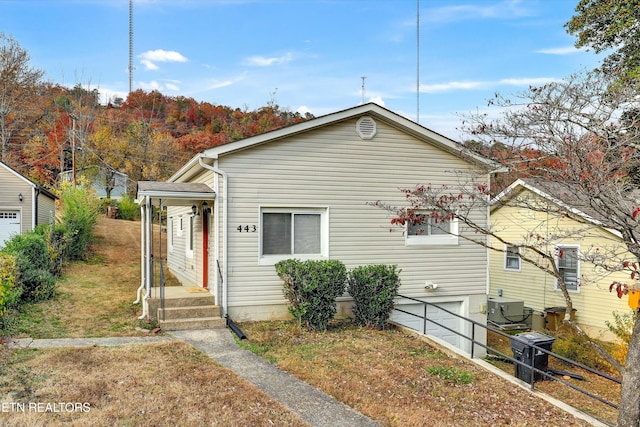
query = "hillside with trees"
x=147 y=136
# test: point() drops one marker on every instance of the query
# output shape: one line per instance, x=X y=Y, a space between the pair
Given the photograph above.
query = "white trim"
x=427 y=239
x=171 y=233
x=506 y=253
x=373 y=110
x=324 y=232
x=555 y=282
x=191 y=236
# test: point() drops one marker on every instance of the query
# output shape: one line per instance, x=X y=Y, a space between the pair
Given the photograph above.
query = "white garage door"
x=9 y=225
x=434 y=314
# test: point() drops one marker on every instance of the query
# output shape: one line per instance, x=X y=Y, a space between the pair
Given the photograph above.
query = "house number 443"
x=247 y=228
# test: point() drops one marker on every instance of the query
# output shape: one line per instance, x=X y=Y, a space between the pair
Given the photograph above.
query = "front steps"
x=186 y=311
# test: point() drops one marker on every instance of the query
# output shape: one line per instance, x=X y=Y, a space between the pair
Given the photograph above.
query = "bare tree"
x=582 y=137
x=18 y=83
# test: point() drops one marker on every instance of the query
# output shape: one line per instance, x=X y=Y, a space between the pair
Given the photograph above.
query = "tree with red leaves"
x=582 y=134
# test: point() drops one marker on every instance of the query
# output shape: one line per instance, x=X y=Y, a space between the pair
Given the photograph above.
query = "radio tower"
x=130 y=46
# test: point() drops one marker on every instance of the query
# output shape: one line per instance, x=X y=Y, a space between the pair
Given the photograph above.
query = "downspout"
x=225 y=211
x=488 y=241
x=142 y=249
x=35 y=207
x=148 y=264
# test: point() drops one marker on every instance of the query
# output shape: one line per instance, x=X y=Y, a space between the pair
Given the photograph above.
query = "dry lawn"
x=398 y=379
x=95 y=297
x=168 y=384
x=390 y=376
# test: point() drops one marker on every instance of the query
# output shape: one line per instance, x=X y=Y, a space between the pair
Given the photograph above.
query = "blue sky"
x=307 y=55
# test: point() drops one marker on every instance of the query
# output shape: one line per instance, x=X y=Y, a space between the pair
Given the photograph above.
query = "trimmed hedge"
x=312 y=288
x=374 y=289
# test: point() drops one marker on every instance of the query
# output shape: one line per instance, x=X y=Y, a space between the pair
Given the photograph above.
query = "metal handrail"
x=531 y=367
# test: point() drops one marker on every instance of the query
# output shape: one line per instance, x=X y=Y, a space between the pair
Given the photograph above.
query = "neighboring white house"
x=23 y=204
x=107 y=183
x=305 y=191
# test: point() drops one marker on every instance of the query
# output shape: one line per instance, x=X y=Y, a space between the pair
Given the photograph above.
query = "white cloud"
x=172 y=86
x=377 y=100
x=149 y=58
x=449 y=86
x=499 y=10
x=152 y=85
x=566 y=50
x=303 y=109
x=527 y=81
x=262 y=61
x=480 y=85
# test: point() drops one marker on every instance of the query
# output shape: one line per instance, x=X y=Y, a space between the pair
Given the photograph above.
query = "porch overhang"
x=174 y=193
x=152 y=194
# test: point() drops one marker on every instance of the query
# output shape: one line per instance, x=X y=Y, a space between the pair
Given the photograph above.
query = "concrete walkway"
x=312 y=405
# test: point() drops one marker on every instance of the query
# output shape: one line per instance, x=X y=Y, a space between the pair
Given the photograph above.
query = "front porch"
x=184 y=308
x=177 y=307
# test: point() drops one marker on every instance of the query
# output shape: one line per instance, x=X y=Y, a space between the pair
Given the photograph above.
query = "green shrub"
x=32 y=264
x=312 y=288
x=373 y=288
x=622 y=328
x=10 y=290
x=80 y=209
x=127 y=208
x=54 y=236
x=577 y=347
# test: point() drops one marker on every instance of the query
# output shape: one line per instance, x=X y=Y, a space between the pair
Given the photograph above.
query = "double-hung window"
x=568 y=262
x=293 y=233
x=512 y=258
x=432 y=228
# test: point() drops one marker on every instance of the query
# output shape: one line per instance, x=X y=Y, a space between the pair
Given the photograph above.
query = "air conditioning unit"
x=504 y=310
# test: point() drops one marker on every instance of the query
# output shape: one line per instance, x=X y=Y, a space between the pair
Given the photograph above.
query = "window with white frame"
x=432 y=228
x=191 y=234
x=568 y=262
x=300 y=233
x=512 y=258
x=170 y=228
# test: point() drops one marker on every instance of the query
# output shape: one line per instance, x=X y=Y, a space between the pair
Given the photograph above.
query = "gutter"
x=225 y=211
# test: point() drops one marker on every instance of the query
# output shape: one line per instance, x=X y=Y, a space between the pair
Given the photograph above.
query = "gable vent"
x=366 y=127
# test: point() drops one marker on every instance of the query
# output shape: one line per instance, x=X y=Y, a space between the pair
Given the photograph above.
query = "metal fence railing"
x=528 y=365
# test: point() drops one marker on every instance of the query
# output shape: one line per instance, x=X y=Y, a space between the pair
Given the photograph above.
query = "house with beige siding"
x=530 y=210
x=306 y=192
x=23 y=204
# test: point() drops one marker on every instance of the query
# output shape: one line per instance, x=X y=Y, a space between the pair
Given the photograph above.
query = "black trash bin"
x=525 y=353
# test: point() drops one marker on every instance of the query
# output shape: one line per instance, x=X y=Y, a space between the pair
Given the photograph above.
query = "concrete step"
x=192 y=324
x=189 y=312
x=203 y=299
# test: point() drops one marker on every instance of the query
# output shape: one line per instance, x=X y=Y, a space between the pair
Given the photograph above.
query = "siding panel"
x=333 y=168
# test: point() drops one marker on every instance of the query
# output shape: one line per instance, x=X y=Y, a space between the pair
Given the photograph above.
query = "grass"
x=397 y=379
x=391 y=376
x=165 y=384
x=593 y=383
x=152 y=384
